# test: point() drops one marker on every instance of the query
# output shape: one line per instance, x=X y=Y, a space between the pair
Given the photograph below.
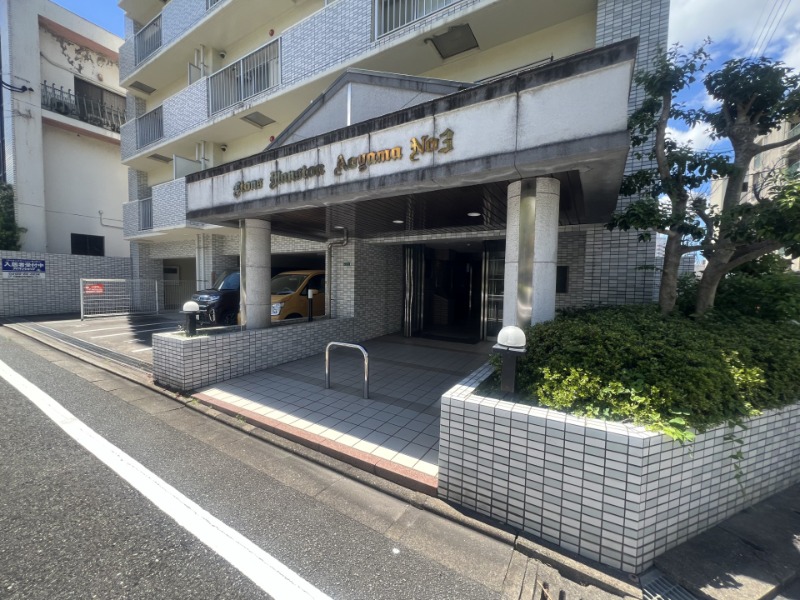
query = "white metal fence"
x=149 y=127
x=177 y=293
x=253 y=74
x=148 y=39
x=394 y=14
x=107 y=297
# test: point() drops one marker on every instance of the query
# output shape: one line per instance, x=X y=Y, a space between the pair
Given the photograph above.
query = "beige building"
x=766 y=165
x=61 y=135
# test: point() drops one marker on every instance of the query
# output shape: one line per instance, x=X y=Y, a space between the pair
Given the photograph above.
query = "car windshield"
x=287 y=283
x=228 y=281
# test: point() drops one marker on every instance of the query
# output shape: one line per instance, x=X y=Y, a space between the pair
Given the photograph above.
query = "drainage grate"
x=655 y=586
x=89 y=347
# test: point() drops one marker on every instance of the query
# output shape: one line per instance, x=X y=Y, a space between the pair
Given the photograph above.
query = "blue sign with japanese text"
x=23 y=267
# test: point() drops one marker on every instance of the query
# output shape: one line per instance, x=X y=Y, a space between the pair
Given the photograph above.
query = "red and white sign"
x=93 y=288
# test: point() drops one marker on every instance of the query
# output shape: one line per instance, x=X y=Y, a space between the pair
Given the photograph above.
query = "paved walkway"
x=397 y=428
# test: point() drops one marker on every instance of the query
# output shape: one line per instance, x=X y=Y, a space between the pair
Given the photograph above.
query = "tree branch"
x=745 y=254
x=773 y=145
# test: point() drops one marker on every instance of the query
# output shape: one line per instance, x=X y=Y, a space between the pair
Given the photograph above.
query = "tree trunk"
x=715 y=270
x=668 y=292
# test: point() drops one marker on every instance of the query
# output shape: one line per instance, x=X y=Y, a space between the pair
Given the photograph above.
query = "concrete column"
x=255 y=293
x=531 y=252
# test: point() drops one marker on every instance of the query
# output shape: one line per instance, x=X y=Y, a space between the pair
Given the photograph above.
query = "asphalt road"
x=72 y=528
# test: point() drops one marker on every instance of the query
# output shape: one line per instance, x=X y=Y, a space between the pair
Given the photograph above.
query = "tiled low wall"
x=59 y=291
x=187 y=363
x=614 y=493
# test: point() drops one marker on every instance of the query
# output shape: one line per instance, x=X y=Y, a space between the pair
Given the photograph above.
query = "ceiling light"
x=456 y=40
x=338 y=227
x=473 y=214
x=398 y=222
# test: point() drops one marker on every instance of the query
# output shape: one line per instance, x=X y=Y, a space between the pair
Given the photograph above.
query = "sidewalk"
x=754 y=554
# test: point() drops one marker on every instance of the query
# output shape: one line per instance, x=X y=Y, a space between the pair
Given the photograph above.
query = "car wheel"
x=228 y=318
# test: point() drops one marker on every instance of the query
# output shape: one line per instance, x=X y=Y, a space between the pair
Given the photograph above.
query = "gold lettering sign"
x=278 y=177
x=442 y=144
x=363 y=161
x=247 y=186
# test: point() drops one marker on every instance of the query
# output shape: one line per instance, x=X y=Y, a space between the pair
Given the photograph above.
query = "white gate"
x=108 y=297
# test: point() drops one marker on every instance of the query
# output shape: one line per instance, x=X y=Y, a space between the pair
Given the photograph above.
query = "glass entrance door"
x=494 y=257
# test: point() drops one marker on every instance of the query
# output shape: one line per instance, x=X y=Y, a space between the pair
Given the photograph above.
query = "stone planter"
x=614 y=493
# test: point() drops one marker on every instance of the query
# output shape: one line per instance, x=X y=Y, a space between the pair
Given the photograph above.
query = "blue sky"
x=104 y=13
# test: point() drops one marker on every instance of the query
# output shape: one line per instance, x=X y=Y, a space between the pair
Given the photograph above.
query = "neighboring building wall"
x=59 y=291
x=37 y=163
x=614 y=493
x=83 y=176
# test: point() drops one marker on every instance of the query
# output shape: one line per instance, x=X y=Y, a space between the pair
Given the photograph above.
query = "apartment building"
x=765 y=166
x=317 y=134
x=62 y=114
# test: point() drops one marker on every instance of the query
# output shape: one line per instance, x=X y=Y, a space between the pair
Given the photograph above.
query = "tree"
x=10 y=232
x=755 y=96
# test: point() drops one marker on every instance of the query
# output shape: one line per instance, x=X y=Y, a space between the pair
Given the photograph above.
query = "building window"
x=88 y=245
x=562 y=280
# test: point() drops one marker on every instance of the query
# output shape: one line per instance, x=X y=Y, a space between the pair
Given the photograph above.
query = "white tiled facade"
x=604 y=267
x=610 y=492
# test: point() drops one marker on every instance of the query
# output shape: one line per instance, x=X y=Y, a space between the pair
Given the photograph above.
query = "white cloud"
x=739 y=26
x=697 y=136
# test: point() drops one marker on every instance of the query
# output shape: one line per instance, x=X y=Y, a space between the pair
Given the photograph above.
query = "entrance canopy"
x=429 y=166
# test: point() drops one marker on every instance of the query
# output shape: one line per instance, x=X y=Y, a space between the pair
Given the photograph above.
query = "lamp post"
x=190 y=309
x=510 y=346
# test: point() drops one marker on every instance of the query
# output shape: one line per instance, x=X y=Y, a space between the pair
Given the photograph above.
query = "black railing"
x=94 y=112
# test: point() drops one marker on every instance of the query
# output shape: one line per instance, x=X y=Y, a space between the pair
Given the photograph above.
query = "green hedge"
x=629 y=363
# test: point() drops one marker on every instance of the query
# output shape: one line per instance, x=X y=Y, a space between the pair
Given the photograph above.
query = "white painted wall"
x=83 y=175
x=31 y=54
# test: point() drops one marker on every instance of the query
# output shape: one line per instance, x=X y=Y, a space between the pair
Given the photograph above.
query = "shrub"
x=629 y=363
x=774 y=296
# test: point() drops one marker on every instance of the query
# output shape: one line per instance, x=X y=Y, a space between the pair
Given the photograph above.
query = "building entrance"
x=454 y=292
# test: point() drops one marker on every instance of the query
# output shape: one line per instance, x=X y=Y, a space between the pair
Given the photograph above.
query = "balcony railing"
x=85 y=109
x=145 y=214
x=394 y=14
x=149 y=128
x=148 y=39
x=253 y=74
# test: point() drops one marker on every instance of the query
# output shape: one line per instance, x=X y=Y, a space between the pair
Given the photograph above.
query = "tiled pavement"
x=398 y=425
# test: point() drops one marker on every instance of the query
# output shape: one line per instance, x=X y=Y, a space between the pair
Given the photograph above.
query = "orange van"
x=290 y=294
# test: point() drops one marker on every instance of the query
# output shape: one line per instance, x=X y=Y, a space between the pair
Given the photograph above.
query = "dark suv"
x=219 y=305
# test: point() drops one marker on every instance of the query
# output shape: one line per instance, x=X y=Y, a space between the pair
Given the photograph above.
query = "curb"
x=419 y=491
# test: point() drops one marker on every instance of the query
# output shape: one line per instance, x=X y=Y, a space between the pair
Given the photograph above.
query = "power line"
x=776 y=14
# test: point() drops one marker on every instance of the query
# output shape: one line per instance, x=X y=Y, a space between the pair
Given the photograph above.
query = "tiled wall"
x=187 y=109
x=59 y=291
x=169 y=204
x=374 y=298
x=184 y=364
x=613 y=493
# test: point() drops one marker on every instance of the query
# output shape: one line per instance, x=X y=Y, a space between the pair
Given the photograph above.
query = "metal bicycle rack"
x=328 y=364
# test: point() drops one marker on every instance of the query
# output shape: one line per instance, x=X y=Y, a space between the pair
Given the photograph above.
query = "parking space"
x=127 y=335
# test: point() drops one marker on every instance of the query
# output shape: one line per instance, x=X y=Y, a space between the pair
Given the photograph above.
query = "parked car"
x=219 y=305
x=290 y=294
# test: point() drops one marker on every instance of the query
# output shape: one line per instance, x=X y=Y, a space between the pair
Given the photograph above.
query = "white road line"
x=99 y=337
x=261 y=568
x=142 y=350
x=127 y=326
